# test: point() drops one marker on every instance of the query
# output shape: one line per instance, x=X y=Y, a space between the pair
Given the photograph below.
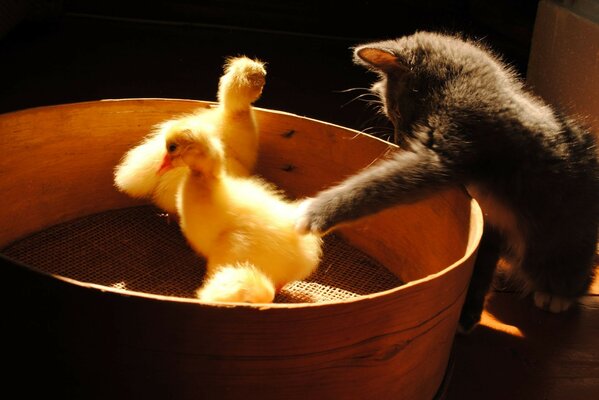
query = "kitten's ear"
x=380 y=59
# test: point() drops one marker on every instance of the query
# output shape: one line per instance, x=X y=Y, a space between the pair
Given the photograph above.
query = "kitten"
x=462 y=117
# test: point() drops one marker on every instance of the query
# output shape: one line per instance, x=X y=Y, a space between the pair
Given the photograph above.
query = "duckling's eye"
x=172 y=147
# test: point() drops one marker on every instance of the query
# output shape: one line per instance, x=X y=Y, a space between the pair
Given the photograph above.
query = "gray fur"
x=463 y=117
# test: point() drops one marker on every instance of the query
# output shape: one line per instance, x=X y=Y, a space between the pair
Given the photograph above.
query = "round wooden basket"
x=99 y=287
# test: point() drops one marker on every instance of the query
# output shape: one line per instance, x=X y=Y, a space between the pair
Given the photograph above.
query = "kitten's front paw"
x=302 y=219
x=305 y=220
x=554 y=304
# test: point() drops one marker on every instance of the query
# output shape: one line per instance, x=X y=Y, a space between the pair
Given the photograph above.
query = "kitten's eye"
x=172 y=147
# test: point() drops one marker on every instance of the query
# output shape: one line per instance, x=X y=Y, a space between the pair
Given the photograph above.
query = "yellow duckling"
x=139 y=175
x=243 y=226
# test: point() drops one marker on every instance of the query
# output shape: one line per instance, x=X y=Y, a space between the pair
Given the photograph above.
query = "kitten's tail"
x=240 y=283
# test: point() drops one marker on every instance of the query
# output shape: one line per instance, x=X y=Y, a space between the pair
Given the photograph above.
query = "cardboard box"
x=564 y=58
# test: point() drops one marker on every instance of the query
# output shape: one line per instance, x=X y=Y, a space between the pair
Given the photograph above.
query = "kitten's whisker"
x=386 y=133
x=375 y=105
x=359 y=97
x=381 y=129
x=351 y=90
x=378 y=106
x=368 y=101
x=383 y=154
x=383 y=134
x=378 y=121
x=370 y=128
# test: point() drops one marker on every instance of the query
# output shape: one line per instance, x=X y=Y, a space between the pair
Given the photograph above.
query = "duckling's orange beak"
x=167 y=164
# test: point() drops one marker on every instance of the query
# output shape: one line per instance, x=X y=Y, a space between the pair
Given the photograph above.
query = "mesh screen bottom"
x=137 y=249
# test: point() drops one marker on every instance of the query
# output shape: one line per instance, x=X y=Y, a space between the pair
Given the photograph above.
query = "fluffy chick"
x=237 y=221
x=240 y=283
x=138 y=173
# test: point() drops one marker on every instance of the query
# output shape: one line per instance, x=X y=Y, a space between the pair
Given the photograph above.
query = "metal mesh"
x=138 y=249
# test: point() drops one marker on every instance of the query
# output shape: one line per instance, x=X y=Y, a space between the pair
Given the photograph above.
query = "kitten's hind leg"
x=555 y=304
x=559 y=273
x=489 y=252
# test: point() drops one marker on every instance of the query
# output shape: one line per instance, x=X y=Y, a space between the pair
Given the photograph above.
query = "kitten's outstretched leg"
x=489 y=252
x=405 y=178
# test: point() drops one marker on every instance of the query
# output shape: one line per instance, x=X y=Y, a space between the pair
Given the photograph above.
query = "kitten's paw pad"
x=306 y=221
x=302 y=218
x=554 y=304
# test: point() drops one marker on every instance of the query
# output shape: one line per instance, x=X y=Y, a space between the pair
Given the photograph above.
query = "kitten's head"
x=415 y=70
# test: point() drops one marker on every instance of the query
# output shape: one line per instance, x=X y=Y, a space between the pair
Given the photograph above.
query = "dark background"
x=54 y=52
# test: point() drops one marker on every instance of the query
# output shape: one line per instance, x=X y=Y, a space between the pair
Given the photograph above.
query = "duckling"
x=243 y=226
x=138 y=173
x=239 y=283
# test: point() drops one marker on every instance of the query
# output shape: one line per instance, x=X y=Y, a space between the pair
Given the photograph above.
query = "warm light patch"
x=487 y=319
x=595 y=286
x=119 y=285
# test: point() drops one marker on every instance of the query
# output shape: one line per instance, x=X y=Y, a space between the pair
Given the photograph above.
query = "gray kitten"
x=462 y=117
